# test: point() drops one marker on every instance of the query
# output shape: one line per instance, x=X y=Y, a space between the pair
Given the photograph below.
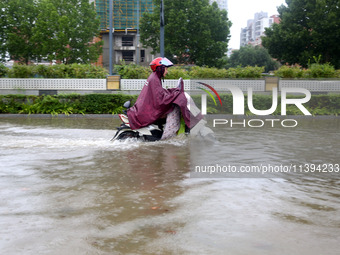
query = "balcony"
x=119 y=46
x=125 y=44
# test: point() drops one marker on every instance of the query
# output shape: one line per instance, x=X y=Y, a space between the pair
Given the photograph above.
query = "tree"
x=52 y=29
x=308 y=28
x=195 y=31
x=252 y=56
x=65 y=29
x=2 y=33
x=17 y=18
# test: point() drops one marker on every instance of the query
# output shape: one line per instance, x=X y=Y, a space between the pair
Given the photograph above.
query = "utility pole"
x=137 y=39
x=111 y=38
x=162 y=30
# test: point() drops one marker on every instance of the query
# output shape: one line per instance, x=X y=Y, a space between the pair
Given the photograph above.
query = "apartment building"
x=222 y=4
x=126 y=45
x=256 y=27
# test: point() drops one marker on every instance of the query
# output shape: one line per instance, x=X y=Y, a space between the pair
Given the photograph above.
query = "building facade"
x=222 y=4
x=251 y=35
x=126 y=16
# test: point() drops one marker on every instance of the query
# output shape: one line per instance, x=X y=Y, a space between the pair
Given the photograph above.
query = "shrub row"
x=250 y=72
x=132 y=71
x=54 y=71
x=112 y=104
x=314 y=71
x=3 y=70
x=142 y=72
x=64 y=104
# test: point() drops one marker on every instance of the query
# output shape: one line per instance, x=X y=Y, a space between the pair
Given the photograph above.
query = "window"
x=142 y=55
x=127 y=41
x=128 y=55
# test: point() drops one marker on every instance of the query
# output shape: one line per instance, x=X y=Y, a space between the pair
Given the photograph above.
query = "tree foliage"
x=308 y=28
x=195 y=31
x=2 y=33
x=51 y=29
x=17 y=19
x=252 y=56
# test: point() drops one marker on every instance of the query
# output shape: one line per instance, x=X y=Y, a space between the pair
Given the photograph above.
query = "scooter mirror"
x=127 y=104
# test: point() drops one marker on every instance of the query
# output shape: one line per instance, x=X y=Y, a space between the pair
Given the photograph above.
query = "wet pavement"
x=66 y=189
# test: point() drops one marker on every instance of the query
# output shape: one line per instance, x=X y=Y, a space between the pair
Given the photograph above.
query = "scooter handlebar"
x=181 y=84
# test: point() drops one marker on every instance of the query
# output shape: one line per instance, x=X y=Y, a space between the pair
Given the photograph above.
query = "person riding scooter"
x=155 y=103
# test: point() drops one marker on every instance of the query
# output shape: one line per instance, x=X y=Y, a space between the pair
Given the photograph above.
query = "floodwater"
x=66 y=189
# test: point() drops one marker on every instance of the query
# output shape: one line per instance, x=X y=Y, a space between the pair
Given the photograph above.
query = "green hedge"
x=112 y=104
x=250 y=72
x=64 y=104
x=314 y=71
x=132 y=71
x=195 y=72
x=54 y=71
x=3 y=70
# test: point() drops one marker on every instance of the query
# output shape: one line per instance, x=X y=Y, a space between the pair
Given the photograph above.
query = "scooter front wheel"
x=127 y=134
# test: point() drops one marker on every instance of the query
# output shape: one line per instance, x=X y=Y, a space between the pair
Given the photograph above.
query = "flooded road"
x=66 y=189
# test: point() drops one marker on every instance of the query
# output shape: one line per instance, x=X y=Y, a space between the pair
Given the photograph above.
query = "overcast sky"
x=239 y=11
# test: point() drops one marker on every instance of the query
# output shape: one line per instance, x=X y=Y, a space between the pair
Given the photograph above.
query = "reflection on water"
x=66 y=189
x=315 y=142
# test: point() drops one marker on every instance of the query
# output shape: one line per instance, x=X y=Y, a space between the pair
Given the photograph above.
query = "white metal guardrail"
x=312 y=85
x=220 y=85
x=54 y=84
x=125 y=84
x=137 y=84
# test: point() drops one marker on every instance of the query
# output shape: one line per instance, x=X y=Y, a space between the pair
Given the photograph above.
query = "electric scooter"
x=150 y=133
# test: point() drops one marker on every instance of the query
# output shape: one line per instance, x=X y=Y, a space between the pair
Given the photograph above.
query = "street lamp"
x=162 y=30
x=111 y=38
x=137 y=37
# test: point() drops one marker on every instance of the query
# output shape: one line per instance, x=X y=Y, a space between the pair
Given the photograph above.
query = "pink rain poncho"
x=155 y=102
